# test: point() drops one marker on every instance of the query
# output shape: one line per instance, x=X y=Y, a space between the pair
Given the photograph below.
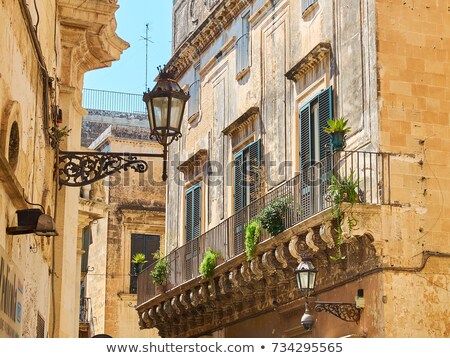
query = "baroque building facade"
x=264 y=76
x=47 y=47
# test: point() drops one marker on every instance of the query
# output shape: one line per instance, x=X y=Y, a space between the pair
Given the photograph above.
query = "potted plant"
x=209 y=262
x=337 y=128
x=252 y=232
x=342 y=190
x=272 y=216
x=160 y=272
x=138 y=260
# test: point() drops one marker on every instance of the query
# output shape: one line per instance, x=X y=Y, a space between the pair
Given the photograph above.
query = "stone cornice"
x=242 y=121
x=189 y=51
x=193 y=161
x=309 y=61
x=88 y=37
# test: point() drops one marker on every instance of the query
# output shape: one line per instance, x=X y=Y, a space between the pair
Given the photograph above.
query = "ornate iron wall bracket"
x=83 y=168
x=345 y=311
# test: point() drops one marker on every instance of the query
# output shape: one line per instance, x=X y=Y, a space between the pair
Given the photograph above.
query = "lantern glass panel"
x=161 y=108
x=176 y=112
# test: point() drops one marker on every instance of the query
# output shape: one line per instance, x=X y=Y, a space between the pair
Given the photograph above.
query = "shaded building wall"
x=44 y=60
x=136 y=206
x=413 y=80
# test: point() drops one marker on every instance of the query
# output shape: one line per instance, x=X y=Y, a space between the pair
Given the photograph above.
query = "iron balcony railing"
x=113 y=101
x=242 y=53
x=307 y=196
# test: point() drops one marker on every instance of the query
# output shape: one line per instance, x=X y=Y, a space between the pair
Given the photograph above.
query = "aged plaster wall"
x=413 y=52
x=19 y=75
x=66 y=57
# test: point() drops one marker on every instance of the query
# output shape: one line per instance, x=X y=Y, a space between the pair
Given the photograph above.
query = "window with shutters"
x=247 y=163
x=146 y=244
x=193 y=229
x=193 y=212
x=314 y=147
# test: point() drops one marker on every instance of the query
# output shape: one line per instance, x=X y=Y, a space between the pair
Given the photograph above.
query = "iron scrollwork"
x=82 y=168
x=345 y=311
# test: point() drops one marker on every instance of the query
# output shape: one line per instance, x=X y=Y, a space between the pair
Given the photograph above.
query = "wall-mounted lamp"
x=306 y=281
x=165 y=105
x=33 y=221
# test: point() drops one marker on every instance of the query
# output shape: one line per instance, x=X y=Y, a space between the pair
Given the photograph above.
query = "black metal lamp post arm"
x=82 y=168
x=345 y=311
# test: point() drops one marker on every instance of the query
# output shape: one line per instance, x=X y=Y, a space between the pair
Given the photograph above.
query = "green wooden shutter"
x=193 y=212
x=196 y=208
x=189 y=224
x=305 y=137
x=238 y=182
x=255 y=163
x=325 y=99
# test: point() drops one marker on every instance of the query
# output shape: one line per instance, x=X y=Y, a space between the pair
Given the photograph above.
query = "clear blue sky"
x=128 y=74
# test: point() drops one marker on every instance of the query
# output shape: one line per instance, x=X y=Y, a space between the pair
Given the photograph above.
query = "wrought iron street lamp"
x=165 y=105
x=306 y=275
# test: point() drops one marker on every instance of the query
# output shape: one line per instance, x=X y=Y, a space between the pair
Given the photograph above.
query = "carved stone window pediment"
x=314 y=57
x=194 y=164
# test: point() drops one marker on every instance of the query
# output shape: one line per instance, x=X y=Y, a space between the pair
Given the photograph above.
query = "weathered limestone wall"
x=413 y=46
x=20 y=177
x=136 y=206
x=96 y=122
x=66 y=47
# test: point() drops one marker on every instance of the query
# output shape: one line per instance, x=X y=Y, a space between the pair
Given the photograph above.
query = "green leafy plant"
x=138 y=258
x=271 y=217
x=208 y=263
x=161 y=270
x=58 y=134
x=252 y=232
x=336 y=125
x=342 y=190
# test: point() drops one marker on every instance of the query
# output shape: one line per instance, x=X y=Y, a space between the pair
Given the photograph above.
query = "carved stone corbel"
x=326 y=234
x=310 y=240
x=194 y=297
x=224 y=284
x=255 y=267
x=185 y=301
x=283 y=256
x=176 y=305
x=238 y=283
x=246 y=272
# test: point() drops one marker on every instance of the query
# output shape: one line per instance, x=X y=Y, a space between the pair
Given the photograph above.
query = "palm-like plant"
x=336 y=125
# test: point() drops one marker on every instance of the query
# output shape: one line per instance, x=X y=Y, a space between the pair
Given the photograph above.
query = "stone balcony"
x=241 y=288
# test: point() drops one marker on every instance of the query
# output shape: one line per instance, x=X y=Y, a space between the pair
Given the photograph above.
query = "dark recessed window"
x=13 y=147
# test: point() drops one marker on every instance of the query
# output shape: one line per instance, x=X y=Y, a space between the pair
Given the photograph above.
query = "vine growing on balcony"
x=343 y=190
